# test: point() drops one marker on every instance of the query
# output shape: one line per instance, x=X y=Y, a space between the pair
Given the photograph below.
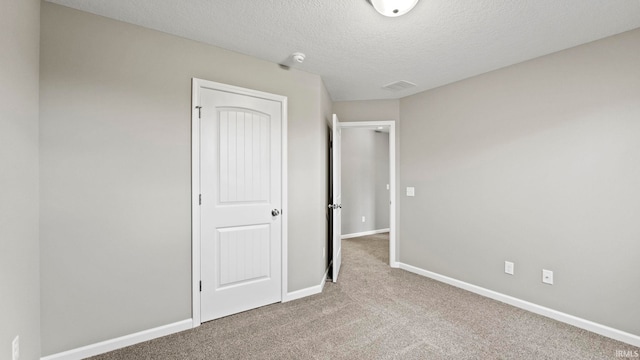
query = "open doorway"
x=365 y=182
x=382 y=127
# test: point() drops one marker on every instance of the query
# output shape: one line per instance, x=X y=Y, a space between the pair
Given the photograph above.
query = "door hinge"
x=200 y=286
x=199 y=111
x=200 y=199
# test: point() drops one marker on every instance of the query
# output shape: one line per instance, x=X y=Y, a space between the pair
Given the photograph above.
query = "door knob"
x=275 y=212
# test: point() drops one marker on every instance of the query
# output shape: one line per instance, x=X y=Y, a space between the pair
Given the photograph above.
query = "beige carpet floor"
x=375 y=312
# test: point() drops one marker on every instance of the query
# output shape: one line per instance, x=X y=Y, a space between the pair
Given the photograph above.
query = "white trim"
x=365 y=233
x=298 y=294
x=195 y=203
x=285 y=200
x=195 y=186
x=534 y=308
x=393 y=232
x=120 y=342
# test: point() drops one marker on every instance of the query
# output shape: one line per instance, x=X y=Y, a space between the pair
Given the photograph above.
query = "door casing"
x=198 y=84
x=336 y=179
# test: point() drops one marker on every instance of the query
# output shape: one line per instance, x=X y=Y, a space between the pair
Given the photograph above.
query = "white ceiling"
x=357 y=51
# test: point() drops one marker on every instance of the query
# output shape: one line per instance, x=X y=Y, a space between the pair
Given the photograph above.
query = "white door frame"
x=393 y=260
x=197 y=84
x=336 y=171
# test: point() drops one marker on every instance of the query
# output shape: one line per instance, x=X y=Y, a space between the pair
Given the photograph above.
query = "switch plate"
x=15 y=348
x=547 y=276
x=509 y=267
x=411 y=191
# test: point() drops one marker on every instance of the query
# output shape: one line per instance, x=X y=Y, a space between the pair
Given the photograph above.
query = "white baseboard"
x=317 y=289
x=534 y=308
x=364 y=233
x=118 y=343
x=150 y=334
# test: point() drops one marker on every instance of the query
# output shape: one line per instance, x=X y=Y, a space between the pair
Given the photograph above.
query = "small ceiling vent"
x=399 y=85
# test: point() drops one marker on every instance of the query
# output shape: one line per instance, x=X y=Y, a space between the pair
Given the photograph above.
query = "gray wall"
x=116 y=171
x=381 y=155
x=19 y=254
x=539 y=164
x=365 y=175
x=367 y=110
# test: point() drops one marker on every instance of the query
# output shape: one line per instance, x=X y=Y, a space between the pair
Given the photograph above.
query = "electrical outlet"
x=387 y=186
x=547 y=276
x=509 y=267
x=411 y=191
x=15 y=346
x=363 y=219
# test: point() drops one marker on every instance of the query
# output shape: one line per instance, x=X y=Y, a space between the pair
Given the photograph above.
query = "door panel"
x=243 y=255
x=244 y=156
x=240 y=182
x=337 y=199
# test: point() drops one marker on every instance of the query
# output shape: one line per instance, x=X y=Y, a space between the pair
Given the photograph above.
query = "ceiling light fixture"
x=393 y=8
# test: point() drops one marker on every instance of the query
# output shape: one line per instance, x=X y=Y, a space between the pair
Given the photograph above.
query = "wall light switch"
x=509 y=267
x=411 y=191
x=547 y=277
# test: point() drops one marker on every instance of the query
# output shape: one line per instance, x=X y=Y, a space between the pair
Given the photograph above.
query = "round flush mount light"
x=393 y=8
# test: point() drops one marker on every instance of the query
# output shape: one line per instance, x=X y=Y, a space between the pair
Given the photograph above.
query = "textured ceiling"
x=357 y=51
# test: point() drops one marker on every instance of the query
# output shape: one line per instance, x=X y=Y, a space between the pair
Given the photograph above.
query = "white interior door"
x=337 y=199
x=240 y=184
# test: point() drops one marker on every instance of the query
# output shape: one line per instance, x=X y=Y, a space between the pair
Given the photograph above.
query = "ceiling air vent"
x=399 y=85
